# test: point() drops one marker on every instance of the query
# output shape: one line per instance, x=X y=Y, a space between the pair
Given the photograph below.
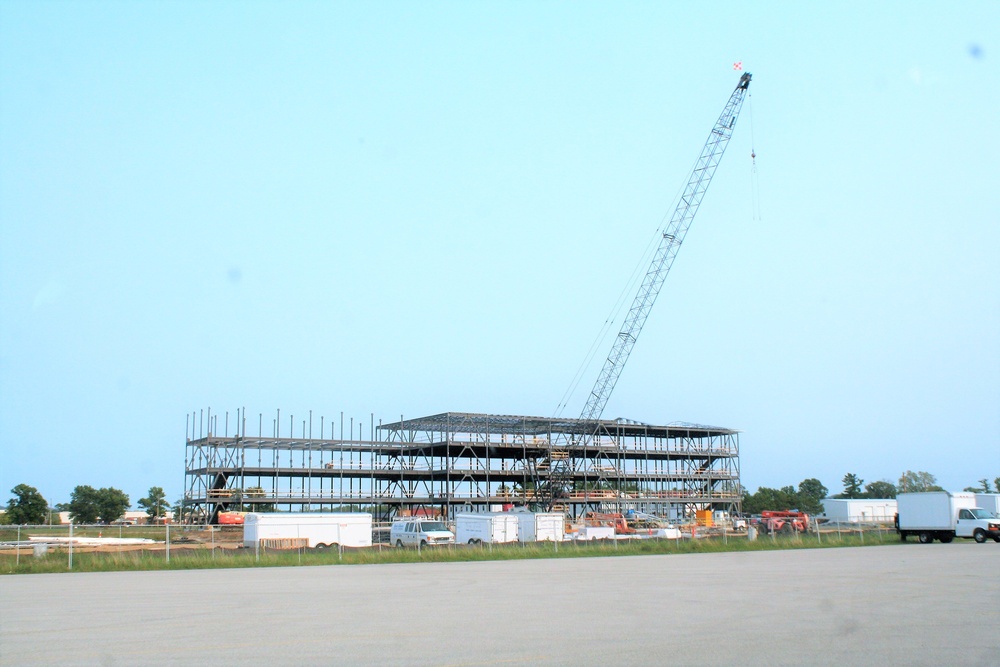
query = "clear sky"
x=410 y=208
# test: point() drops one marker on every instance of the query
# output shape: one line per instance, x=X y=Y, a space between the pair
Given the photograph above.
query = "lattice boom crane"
x=673 y=236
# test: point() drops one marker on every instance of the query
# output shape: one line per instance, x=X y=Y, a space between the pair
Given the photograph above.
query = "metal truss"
x=452 y=462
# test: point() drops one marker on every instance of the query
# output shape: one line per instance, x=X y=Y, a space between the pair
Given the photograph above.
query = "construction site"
x=458 y=462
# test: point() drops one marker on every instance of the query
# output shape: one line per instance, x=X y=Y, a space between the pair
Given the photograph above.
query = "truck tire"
x=926 y=538
x=979 y=536
x=946 y=538
x=902 y=537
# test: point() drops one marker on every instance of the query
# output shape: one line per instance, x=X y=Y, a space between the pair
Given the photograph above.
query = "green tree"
x=880 y=489
x=811 y=494
x=917 y=482
x=256 y=492
x=82 y=506
x=113 y=504
x=996 y=484
x=852 y=486
x=155 y=503
x=765 y=498
x=27 y=506
x=87 y=504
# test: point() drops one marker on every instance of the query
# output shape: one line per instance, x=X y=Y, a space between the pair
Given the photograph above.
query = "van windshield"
x=432 y=525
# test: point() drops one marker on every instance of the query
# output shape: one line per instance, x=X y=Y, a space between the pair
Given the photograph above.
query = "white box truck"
x=486 y=528
x=941 y=515
x=540 y=526
x=281 y=530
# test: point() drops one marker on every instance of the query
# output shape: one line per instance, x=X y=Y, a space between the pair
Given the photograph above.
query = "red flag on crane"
x=738 y=65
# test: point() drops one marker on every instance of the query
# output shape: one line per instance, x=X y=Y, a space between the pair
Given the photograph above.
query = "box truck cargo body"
x=486 y=527
x=940 y=515
x=540 y=526
x=313 y=530
x=989 y=502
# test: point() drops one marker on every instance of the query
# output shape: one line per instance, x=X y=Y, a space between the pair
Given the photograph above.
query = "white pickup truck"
x=940 y=515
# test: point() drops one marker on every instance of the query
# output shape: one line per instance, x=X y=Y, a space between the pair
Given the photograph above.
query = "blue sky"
x=404 y=209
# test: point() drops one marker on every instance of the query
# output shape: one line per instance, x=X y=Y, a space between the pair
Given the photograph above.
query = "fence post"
x=17 y=560
x=168 y=541
x=71 y=544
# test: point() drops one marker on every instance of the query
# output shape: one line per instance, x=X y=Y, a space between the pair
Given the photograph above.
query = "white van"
x=420 y=532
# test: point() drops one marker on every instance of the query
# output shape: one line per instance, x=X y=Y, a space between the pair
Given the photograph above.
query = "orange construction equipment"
x=784 y=521
x=231 y=518
x=615 y=520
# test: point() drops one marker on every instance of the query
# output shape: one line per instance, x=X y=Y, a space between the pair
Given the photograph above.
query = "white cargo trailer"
x=989 y=502
x=940 y=515
x=281 y=530
x=487 y=527
x=540 y=526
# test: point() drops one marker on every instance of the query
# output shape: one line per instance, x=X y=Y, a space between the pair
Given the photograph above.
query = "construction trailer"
x=447 y=463
x=859 y=510
x=307 y=530
x=540 y=526
x=486 y=528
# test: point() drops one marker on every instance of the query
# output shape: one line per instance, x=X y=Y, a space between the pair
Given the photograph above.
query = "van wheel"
x=926 y=538
x=979 y=535
x=423 y=543
x=399 y=544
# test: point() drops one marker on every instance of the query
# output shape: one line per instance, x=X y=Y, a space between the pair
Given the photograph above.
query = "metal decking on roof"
x=466 y=422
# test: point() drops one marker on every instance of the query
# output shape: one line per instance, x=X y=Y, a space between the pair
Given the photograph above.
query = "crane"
x=560 y=466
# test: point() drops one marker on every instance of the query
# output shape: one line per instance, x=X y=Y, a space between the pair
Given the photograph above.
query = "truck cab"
x=420 y=533
x=978 y=524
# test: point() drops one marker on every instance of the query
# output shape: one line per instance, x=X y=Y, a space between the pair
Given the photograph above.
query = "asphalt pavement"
x=902 y=604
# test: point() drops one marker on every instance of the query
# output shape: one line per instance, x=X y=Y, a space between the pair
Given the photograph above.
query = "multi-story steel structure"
x=459 y=461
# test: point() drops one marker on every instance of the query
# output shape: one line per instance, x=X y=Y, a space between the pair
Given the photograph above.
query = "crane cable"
x=616 y=309
x=754 y=182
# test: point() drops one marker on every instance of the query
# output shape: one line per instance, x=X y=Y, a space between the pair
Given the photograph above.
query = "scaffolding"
x=457 y=462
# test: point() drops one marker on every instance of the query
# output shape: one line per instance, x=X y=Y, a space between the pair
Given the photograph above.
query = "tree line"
x=90 y=505
x=810 y=492
x=86 y=505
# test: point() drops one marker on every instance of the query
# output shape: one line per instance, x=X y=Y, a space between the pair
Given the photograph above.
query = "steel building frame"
x=457 y=461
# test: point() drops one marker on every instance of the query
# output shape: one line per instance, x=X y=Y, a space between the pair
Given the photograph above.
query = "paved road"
x=908 y=604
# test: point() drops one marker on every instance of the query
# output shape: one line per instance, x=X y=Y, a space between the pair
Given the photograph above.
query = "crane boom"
x=673 y=236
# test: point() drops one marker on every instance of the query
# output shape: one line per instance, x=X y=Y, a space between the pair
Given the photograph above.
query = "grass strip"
x=206 y=558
